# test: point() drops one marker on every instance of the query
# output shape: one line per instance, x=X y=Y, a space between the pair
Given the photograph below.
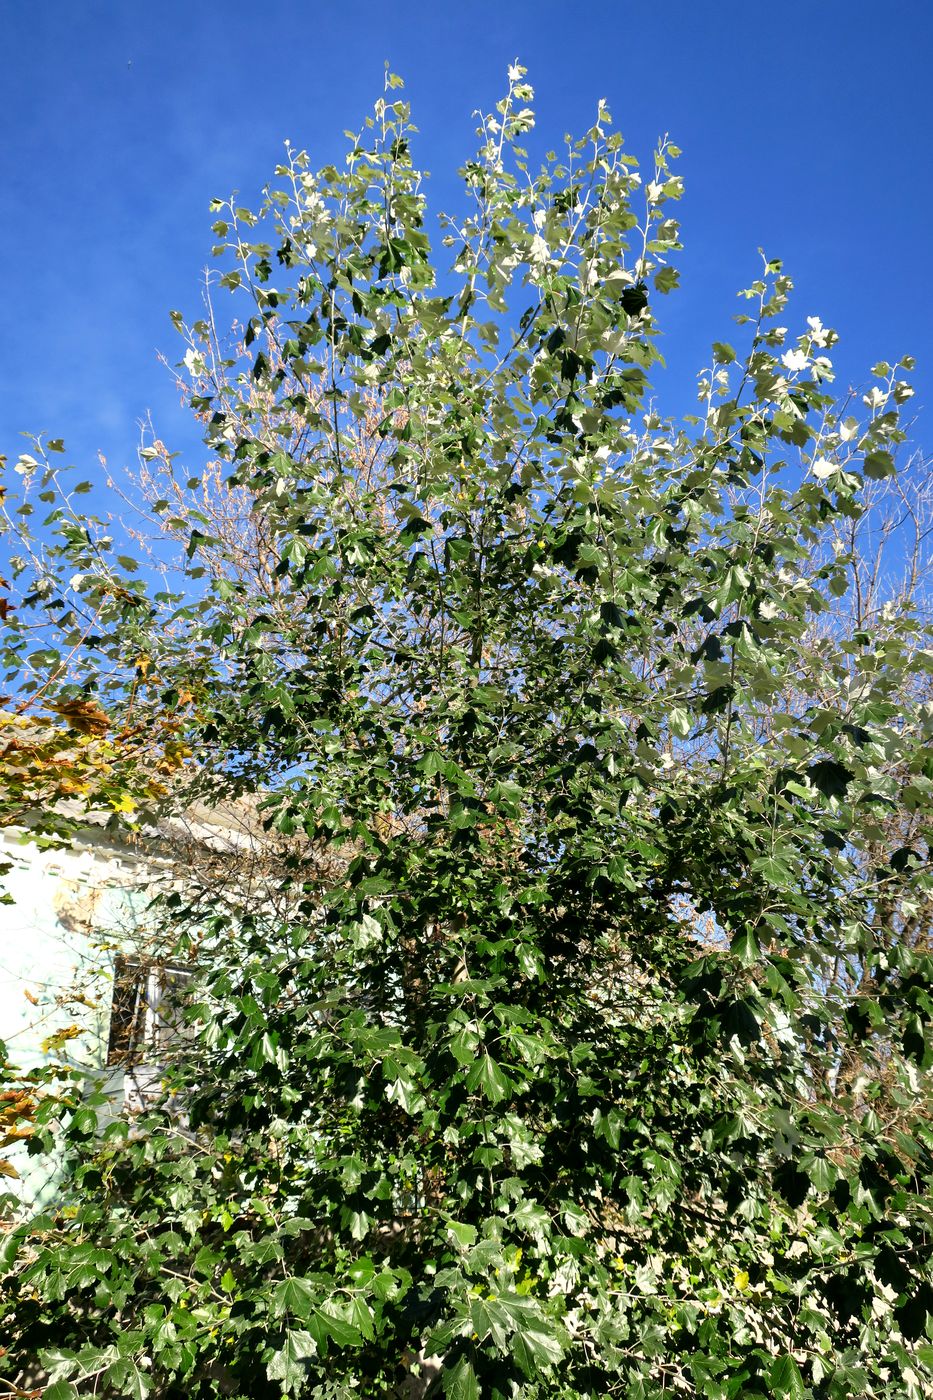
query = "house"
x=83 y=978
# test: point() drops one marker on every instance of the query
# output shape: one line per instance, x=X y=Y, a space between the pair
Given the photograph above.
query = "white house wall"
x=70 y=913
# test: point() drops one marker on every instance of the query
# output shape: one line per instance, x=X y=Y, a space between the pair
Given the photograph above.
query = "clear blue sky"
x=806 y=128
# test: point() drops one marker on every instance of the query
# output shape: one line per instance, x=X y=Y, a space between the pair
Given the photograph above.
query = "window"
x=146 y=1013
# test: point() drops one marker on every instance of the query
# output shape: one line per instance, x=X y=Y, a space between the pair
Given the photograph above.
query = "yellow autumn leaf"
x=741 y=1278
x=60 y=1038
x=69 y=787
x=123 y=803
x=16 y=1135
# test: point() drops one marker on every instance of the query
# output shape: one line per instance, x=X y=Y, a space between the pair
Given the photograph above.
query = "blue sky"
x=805 y=129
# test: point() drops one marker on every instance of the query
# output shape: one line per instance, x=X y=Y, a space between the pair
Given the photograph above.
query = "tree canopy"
x=595 y=1059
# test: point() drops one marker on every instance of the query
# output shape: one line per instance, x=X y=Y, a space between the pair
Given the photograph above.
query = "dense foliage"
x=594 y=1060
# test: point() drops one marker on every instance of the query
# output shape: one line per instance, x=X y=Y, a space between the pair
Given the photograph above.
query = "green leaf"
x=536 y=1350
x=293 y=1295
x=290 y=1363
x=680 y=723
x=786 y=1379
x=342 y=1331
x=460 y=1382
x=465 y=1235
x=820 y=1170
x=128 y=1378
x=746 y=947
x=488 y=1077
x=84 y=1122
x=361 y=1320
x=878 y=465
x=830 y=777
x=10 y=1245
